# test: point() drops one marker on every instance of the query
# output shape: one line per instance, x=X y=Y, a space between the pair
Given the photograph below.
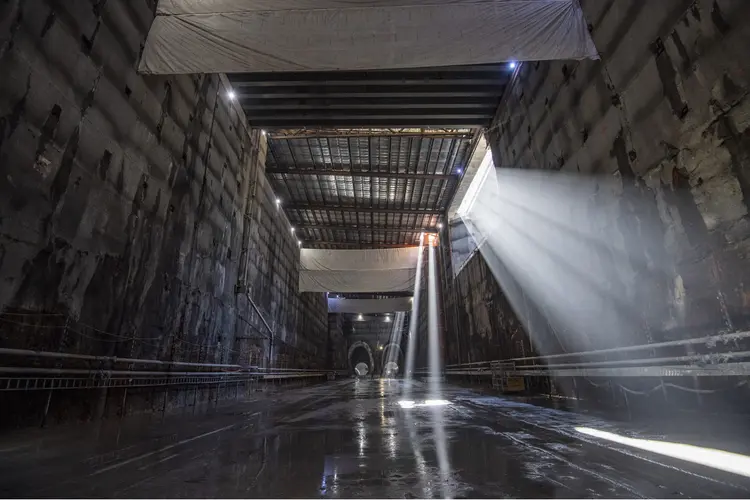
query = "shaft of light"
x=433 y=341
x=391 y=354
x=412 y=341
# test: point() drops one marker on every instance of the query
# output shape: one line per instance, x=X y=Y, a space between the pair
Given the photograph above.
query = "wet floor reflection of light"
x=391 y=442
x=361 y=438
x=441 y=447
x=717 y=459
x=406 y=403
x=416 y=446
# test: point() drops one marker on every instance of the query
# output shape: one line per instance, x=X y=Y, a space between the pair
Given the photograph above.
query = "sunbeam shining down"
x=551 y=240
x=411 y=349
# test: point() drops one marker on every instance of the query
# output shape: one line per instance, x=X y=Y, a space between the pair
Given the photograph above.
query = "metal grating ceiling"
x=366 y=159
x=371 y=188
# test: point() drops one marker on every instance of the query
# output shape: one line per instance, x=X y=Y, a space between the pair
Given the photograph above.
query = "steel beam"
x=369 y=174
x=292 y=112
x=258 y=104
x=320 y=132
x=332 y=208
x=457 y=121
x=459 y=75
x=354 y=245
x=367 y=229
x=358 y=89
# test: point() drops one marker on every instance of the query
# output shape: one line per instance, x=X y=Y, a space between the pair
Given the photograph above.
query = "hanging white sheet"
x=395 y=280
x=348 y=271
x=369 y=306
x=226 y=36
x=359 y=260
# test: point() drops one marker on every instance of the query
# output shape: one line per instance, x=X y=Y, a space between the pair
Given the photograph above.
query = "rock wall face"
x=135 y=217
x=662 y=121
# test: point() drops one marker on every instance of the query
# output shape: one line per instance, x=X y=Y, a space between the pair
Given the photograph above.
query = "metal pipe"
x=114 y=359
x=671 y=359
x=76 y=371
x=724 y=337
x=722 y=370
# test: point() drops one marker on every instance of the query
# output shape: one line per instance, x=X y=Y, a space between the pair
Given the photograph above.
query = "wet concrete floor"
x=352 y=438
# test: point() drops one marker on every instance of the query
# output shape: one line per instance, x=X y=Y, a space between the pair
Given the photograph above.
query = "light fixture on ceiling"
x=278 y=201
x=460 y=171
x=293 y=229
x=387 y=319
x=440 y=225
x=299 y=243
x=231 y=95
x=263 y=132
x=512 y=64
x=360 y=318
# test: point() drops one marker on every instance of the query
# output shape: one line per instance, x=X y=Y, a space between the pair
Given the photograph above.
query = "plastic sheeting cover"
x=369 y=306
x=226 y=36
x=346 y=271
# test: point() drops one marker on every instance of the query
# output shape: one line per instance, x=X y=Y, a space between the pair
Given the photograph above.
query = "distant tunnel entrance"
x=360 y=359
x=361 y=369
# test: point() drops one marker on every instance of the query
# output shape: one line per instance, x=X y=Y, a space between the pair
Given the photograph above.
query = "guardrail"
x=26 y=378
x=711 y=364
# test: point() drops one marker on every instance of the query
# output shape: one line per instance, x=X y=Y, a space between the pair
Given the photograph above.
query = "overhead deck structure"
x=369 y=159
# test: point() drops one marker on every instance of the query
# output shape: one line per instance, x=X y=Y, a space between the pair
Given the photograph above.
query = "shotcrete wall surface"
x=663 y=120
x=135 y=217
x=665 y=114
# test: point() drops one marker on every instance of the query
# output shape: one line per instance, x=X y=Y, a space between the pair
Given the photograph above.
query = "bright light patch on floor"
x=717 y=459
x=406 y=403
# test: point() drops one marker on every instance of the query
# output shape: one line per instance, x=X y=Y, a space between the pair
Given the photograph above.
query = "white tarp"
x=369 y=306
x=228 y=36
x=379 y=259
x=347 y=271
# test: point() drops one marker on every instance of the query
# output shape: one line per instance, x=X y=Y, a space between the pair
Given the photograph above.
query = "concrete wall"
x=337 y=344
x=664 y=118
x=135 y=218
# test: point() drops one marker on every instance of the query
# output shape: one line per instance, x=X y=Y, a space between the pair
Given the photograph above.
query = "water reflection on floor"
x=350 y=439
